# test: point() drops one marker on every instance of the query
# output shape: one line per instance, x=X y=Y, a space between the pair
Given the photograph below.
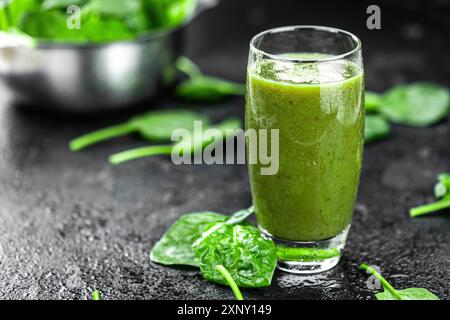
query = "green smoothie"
x=318 y=109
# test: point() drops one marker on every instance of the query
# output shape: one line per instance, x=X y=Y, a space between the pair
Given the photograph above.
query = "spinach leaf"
x=52 y=25
x=102 y=20
x=96 y=295
x=229 y=279
x=158 y=126
x=14 y=10
x=376 y=128
x=441 y=190
x=372 y=101
x=112 y=29
x=4 y=17
x=248 y=256
x=306 y=254
x=393 y=294
x=204 y=88
x=61 y=4
x=169 y=13
x=129 y=14
x=194 y=144
x=208 y=89
x=4 y=22
x=153 y=126
x=117 y=8
x=227 y=250
x=407 y=294
x=418 y=104
x=199 y=140
x=178 y=10
x=175 y=247
x=48 y=25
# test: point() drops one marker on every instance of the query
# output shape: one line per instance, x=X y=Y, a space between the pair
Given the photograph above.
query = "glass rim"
x=305 y=27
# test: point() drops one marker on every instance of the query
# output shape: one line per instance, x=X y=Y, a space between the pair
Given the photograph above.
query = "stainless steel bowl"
x=93 y=77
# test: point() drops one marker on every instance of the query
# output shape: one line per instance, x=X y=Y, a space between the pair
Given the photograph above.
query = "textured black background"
x=70 y=222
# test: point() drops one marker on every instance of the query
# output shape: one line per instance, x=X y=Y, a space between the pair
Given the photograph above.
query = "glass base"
x=308 y=257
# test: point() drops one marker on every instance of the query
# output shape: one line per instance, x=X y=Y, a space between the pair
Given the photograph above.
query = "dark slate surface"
x=70 y=223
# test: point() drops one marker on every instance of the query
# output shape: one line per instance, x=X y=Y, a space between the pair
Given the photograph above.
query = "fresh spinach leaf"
x=102 y=20
x=248 y=256
x=61 y=4
x=393 y=294
x=195 y=143
x=208 y=89
x=96 y=295
x=442 y=191
x=178 y=10
x=376 y=128
x=229 y=279
x=112 y=29
x=158 y=126
x=169 y=13
x=306 y=254
x=372 y=101
x=129 y=14
x=16 y=9
x=153 y=126
x=418 y=104
x=117 y=8
x=5 y=22
x=48 y=25
x=407 y=294
x=200 y=140
x=204 y=88
x=175 y=247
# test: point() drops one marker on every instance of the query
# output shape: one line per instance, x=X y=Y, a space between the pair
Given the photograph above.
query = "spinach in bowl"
x=92 y=21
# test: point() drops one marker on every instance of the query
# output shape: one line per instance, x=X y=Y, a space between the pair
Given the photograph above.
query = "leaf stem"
x=132 y=154
x=240 y=216
x=101 y=135
x=188 y=67
x=383 y=281
x=230 y=281
x=431 y=207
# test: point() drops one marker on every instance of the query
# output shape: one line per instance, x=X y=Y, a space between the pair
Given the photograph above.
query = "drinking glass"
x=305 y=87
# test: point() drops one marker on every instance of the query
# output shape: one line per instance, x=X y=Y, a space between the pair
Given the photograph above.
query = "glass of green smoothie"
x=307 y=82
